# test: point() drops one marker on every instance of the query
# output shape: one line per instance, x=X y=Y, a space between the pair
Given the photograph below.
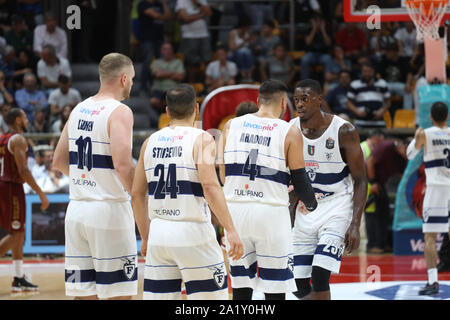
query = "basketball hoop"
x=427 y=16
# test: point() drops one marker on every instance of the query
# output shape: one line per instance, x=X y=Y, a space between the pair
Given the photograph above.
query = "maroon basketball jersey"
x=8 y=168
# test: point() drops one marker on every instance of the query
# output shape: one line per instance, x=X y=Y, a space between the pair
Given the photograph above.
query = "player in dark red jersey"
x=13 y=173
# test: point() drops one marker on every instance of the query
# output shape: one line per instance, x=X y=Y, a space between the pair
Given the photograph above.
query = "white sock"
x=18 y=268
x=432 y=275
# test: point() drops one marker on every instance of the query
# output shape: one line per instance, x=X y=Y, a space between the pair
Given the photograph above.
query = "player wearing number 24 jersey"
x=94 y=150
x=176 y=170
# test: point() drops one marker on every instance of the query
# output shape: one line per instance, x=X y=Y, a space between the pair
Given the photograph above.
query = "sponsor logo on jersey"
x=219 y=275
x=248 y=193
x=170 y=138
x=92 y=112
x=328 y=155
x=311 y=150
x=330 y=143
x=84 y=182
x=129 y=267
x=312 y=163
x=167 y=212
x=267 y=127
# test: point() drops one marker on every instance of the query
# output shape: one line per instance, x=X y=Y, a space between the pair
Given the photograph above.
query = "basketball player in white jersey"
x=94 y=150
x=335 y=166
x=436 y=204
x=176 y=169
x=259 y=154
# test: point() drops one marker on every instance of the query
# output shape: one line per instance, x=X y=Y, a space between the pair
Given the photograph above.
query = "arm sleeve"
x=412 y=152
x=303 y=189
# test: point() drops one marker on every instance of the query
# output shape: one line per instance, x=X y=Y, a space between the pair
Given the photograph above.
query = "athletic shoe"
x=429 y=289
x=22 y=284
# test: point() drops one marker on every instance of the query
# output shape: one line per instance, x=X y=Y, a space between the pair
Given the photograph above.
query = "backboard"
x=390 y=10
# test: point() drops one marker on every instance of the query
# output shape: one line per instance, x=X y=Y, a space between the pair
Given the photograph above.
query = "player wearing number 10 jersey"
x=95 y=152
x=176 y=168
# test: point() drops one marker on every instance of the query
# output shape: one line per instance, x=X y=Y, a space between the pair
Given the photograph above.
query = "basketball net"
x=427 y=16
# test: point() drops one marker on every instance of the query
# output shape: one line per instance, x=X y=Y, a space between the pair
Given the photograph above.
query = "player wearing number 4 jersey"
x=13 y=173
x=176 y=169
x=436 y=204
x=95 y=152
x=336 y=169
x=259 y=154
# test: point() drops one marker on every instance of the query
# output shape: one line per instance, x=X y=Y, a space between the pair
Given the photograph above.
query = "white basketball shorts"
x=267 y=263
x=318 y=237
x=101 y=250
x=184 y=251
x=436 y=209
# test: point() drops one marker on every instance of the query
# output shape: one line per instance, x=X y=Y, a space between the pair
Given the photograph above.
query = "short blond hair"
x=112 y=66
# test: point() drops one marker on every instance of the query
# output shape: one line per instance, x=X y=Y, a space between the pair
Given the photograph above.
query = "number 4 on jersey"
x=250 y=169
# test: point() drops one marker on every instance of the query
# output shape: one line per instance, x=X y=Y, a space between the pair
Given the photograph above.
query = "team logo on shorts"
x=330 y=143
x=311 y=150
x=219 y=276
x=426 y=214
x=290 y=264
x=129 y=267
x=16 y=224
x=311 y=173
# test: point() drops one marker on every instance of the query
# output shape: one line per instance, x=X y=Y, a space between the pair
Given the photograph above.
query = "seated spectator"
x=25 y=63
x=406 y=39
x=381 y=40
x=48 y=178
x=195 y=43
x=317 y=42
x=38 y=125
x=50 y=67
x=353 y=40
x=220 y=72
x=280 y=66
x=368 y=98
x=50 y=33
x=58 y=125
x=19 y=37
x=5 y=95
x=30 y=97
x=167 y=72
x=64 y=95
x=266 y=41
x=4 y=108
x=7 y=63
x=238 y=44
x=337 y=98
x=335 y=65
x=396 y=71
x=246 y=107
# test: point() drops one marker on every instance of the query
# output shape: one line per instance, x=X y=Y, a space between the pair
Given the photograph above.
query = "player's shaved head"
x=439 y=112
x=181 y=101
x=113 y=65
x=272 y=91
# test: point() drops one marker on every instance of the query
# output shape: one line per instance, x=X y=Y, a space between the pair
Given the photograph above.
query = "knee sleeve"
x=242 y=293
x=303 y=287
x=320 y=279
x=275 y=296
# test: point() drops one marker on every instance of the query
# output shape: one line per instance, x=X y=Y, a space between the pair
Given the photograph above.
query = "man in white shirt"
x=50 y=67
x=220 y=72
x=62 y=96
x=50 y=33
x=406 y=39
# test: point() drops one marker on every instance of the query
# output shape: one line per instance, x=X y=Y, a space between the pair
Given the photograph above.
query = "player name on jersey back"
x=255 y=164
x=437 y=156
x=92 y=174
x=174 y=188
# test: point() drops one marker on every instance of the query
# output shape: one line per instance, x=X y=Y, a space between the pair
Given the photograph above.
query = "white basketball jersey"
x=437 y=156
x=92 y=174
x=255 y=164
x=174 y=188
x=328 y=173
